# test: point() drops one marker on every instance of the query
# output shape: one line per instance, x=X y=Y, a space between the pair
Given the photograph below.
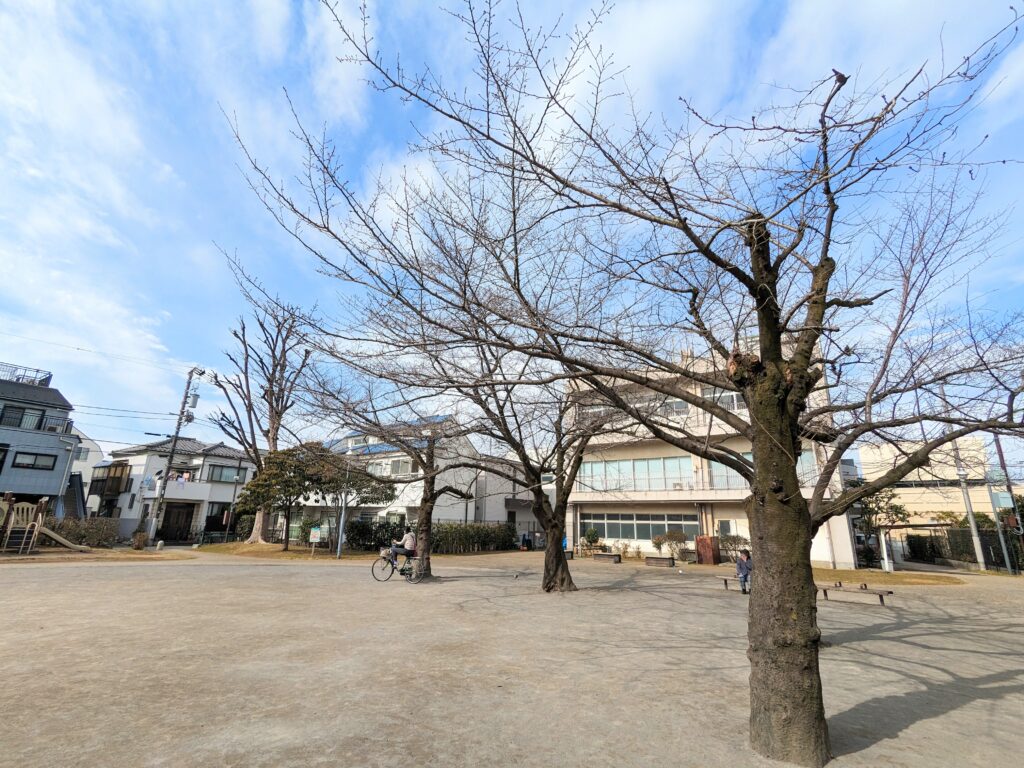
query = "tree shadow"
x=886 y=717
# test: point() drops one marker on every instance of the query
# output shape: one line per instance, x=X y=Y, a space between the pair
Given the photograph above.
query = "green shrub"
x=659 y=543
x=371 y=534
x=731 y=544
x=244 y=526
x=592 y=536
x=675 y=540
x=457 y=538
x=92 y=532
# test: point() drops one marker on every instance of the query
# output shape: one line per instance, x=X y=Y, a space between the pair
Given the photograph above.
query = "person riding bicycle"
x=407 y=546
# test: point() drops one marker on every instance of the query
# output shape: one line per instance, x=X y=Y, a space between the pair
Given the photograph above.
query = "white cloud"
x=339 y=89
x=271 y=24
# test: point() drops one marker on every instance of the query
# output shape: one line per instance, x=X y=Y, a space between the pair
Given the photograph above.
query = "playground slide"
x=62 y=541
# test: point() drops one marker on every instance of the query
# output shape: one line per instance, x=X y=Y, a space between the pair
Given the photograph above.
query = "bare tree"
x=260 y=392
x=808 y=255
x=401 y=420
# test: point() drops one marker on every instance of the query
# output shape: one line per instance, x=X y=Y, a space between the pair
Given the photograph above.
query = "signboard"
x=314 y=535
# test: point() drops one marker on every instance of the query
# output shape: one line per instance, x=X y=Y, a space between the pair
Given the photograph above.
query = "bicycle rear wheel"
x=415 y=573
x=382 y=569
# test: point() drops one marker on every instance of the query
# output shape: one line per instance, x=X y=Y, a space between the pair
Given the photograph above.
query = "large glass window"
x=807 y=467
x=673 y=473
x=639 y=527
x=222 y=474
x=729 y=479
x=22 y=418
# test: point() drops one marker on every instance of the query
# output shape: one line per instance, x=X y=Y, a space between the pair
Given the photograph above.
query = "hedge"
x=447 y=538
x=92 y=532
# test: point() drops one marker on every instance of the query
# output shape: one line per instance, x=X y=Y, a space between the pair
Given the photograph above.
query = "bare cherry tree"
x=792 y=276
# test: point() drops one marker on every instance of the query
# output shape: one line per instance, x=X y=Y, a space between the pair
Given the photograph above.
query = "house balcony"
x=56 y=424
x=194 y=491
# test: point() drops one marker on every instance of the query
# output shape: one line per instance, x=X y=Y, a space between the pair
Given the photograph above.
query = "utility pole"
x=1013 y=505
x=187 y=400
x=344 y=508
x=961 y=473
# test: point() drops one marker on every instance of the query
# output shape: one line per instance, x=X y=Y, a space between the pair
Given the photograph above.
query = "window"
x=807 y=467
x=639 y=527
x=131 y=502
x=731 y=401
x=3 y=456
x=673 y=406
x=81 y=453
x=401 y=466
x=221 y=474
x=726 y=478
x=43 y=461
x=674 y=473
x=21 y=418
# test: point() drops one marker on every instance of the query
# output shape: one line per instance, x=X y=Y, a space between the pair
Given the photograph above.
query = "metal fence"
x=956 y=544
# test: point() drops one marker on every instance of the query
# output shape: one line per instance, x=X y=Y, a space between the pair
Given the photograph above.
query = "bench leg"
x=726 y=583
x=881 y=599
x=825 y=593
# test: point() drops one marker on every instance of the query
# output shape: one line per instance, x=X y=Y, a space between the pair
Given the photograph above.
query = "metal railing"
x=58 y=424
x=24 y=375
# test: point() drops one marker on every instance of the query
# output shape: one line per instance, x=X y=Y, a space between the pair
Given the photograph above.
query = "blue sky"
x=121 y=179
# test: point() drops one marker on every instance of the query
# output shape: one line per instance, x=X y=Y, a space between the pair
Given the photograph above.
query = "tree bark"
x=787 y=713
x=424 y=526
x=258 y=526
x=287 y=527
x=557 y=577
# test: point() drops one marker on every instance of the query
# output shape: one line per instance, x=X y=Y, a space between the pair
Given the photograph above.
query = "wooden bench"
x=727 y=579
x=862 y=589
x=609 y=556
x=660 y=562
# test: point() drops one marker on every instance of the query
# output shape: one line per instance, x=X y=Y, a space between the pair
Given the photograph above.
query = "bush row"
x=447 y=538
x=92 y=532
x=455 y=538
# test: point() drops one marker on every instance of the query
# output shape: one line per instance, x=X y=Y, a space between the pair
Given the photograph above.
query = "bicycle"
x=384 y=568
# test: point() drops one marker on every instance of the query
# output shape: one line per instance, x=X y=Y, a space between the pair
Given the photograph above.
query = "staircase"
x=21 y=524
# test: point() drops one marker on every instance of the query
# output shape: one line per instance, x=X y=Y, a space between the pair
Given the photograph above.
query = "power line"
x=125 y=358
x=121 y=410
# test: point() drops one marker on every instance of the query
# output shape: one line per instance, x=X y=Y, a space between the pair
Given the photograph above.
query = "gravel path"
x=228 y=661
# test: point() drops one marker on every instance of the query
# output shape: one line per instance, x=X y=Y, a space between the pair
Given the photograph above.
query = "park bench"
x=727 y=579
x=611 y=557
x=660 y=562
x=862 y=589
x=568 y=554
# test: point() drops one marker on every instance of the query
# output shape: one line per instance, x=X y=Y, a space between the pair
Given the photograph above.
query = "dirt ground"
x=230 y=661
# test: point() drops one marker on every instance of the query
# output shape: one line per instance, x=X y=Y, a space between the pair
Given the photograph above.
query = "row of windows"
x=641 y=527
x=671 y=473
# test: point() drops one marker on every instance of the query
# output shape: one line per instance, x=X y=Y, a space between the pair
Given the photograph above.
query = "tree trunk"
x=787 y=713
x=557 y=577
x=424 y=524
x=287 y=527
x=258 y=526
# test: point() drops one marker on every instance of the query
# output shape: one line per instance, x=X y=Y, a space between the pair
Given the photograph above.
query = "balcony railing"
x=58 y=424
x=23 y=375
x=695 y=482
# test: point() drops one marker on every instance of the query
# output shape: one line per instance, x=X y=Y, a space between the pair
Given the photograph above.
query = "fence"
x=956 y=544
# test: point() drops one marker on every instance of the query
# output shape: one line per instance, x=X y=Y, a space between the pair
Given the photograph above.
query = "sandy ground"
x=228 y=661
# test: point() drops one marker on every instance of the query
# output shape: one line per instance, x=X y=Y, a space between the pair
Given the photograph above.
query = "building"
x=37 y=441
x=632 y=486
x=491 y=498
x=203 y=483
x=86 y=456
x=928 y=492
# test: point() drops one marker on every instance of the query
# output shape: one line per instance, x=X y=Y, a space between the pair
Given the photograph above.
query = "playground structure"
x=23 y=525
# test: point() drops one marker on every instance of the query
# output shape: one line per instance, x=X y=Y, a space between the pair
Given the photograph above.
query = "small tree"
x=307 y=470
x=879 y=510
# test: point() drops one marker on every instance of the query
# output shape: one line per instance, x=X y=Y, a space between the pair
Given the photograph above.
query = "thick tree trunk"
x=287 y=528
x=787 y=713
x=557 y=577
x=424 y=525
x=258 y=526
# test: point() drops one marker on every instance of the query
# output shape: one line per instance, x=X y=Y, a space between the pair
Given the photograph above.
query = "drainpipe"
x=69 y=447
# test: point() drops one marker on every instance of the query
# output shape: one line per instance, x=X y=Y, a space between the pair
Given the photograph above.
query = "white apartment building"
x=632 y=487
x=203 y=482
x=491 y=498
x=86 y=456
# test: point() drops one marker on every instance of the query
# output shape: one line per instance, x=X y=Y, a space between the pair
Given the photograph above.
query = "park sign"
x=314 y=535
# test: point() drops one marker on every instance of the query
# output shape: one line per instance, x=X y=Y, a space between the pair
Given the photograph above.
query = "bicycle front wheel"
x=382 y=569
x=415 y=573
